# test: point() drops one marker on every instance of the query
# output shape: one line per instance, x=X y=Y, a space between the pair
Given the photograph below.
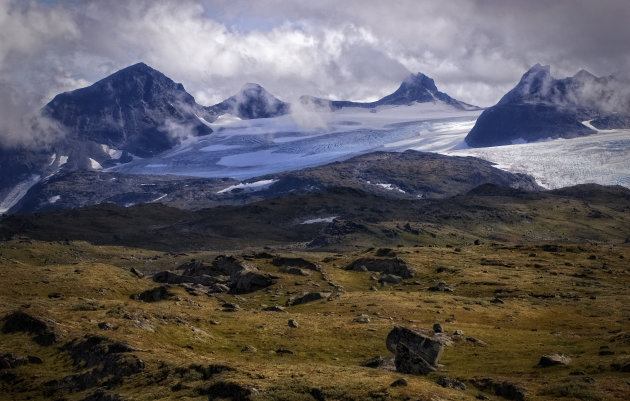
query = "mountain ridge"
x=541 y=106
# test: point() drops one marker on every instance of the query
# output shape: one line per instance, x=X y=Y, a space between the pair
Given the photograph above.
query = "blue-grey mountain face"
x=416 y=88
x=541 y=107
x=252 y=101
x=137 y=109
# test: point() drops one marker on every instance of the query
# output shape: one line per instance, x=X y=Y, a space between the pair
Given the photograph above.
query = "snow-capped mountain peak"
x=251 y=101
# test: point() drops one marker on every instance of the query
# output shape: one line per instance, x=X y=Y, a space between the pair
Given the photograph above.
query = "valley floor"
x=514 y=302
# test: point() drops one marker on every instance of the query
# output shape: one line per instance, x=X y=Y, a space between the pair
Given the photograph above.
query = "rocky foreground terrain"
x=496 y=294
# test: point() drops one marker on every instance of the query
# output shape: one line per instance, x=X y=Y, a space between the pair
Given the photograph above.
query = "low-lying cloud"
x=475 y=50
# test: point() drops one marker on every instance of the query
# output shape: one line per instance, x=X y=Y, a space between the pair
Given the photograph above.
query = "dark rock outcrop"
x=224 y=274
x=11 y=360
x=293 y=262
x=154 y=295
x=22 y=322
x=395 y=266
x=502 y=388
x=449 y=382
x=103 y=362
x=309 y=297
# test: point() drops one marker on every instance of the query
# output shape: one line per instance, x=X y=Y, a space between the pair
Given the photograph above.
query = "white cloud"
x=358 y=49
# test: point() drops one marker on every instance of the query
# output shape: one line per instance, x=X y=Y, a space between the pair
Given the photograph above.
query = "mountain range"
x=139 y=115
x=542 y=107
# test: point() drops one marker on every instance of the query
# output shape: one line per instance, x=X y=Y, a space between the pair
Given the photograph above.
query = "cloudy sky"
x=475 y=50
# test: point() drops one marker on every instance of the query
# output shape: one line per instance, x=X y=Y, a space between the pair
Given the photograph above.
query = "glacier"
x=243 y=149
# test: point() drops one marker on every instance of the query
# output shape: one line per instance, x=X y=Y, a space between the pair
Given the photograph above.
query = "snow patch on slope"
x=18 y=193
x=249 y=186
x=94 y=164
x=320 y=220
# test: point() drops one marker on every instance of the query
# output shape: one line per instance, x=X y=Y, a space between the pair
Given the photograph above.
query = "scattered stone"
x=373 y=288
x=293 y=323
x=402 y=382
x=219 y=288
x=448 y=382
x=440 y=287
x=249 y=348
x=105 y=326
x=621 y=366
x=296 y=271
x=230 y=307
x=55 y=295
x=385 y=252
x=103 y=395
x=395 y=266
x=362 y=318
x=34 y=360
x=10 y=361
x=293 y=262
x=554 y=359
x=283 y=350
x=136 y=272
x=504 y=389
x=275 y=308
x=19 y=321
x=497 y=301
x=224 y=274
x=437 y=328
x=229 y=391
x=309 y=297
x=379 y=362
x=154 y=295
x=391 y=279
x=214 y=323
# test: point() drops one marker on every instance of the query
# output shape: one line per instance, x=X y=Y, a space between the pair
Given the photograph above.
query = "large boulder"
x=395 y=266
x=418 y=344
x=249 y=282
x=407 y=361
x=554 y=359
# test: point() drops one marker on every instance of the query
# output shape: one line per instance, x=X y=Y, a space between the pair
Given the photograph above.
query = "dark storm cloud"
x=351 y=49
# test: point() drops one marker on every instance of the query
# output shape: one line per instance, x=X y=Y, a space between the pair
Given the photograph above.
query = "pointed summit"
x=415 y=88
x=129 y=110
x=252 y=101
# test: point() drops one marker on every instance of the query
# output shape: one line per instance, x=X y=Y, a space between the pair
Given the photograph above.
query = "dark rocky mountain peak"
x=134 y=110
x=415 y=88
x=252 y=101
x=541 y=107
